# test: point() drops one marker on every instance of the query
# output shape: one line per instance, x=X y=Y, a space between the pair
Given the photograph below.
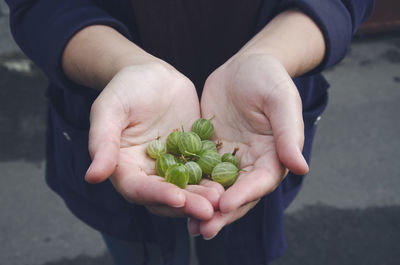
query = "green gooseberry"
x=203 y=128
x=208 y=160
x=156 y=148
x=208 y=145
x=177 y=174
x=163 y=163
x=228 y=157
x=195 y=172
x=189 y=144
x=225 y=173
x=231 y=157
x=172 y=142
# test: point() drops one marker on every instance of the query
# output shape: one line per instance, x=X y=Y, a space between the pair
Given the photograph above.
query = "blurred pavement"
x=348 y=211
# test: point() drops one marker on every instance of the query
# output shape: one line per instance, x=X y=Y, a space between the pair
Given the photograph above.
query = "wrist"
x=148 y=75
x=156 y=70
x=132 y=58
x=293 y=39
x=291 y=63
x=97 y=53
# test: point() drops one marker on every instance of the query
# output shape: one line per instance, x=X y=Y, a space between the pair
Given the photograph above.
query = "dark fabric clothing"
x=42 y=29
x=191 y=35
x=140 y=252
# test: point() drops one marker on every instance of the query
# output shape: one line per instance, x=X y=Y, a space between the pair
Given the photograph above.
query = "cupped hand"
x=257 y=108
x=141 y=103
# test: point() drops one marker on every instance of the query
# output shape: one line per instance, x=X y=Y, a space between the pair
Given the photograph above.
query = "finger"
x=209 y=193
x=261 y=180
x=195 y=206
x=148 y=190
x=106 y=125
x=212 y=184
x=193 y=226
x=209 y=229
x=285 y=113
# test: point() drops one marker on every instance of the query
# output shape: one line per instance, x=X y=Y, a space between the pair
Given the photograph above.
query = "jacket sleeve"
x=338 y=21
x=42 y=29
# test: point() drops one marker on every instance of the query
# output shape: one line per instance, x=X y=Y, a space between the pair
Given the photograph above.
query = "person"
x=123 y=72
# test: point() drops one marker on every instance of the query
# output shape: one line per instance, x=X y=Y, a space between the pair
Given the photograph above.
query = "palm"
x=246 y=100
x=163 y=115
x=240 y=121
x=136 y=107
x=256 y=152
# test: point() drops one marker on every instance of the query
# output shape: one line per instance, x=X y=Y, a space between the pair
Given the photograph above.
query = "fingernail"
x=208 y=238
x=180 y=197
x=225 y=214
x=88 y=171
x=179 y=205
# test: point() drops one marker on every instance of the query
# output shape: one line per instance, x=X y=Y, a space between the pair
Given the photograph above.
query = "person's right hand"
x=143 y=102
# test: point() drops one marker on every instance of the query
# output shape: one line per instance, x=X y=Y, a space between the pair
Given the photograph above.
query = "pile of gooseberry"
x=187 y=157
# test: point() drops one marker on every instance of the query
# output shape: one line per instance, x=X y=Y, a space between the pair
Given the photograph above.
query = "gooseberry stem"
x=235 y=150
x=219 y=144
x=183 y=158
x=207 y=176
x=192 y=154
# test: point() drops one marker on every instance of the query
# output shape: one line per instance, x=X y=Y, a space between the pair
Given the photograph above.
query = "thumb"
x=106 y=125
x=285 y=114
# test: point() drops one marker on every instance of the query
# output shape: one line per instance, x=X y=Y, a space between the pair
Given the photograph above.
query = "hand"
x=258 y=109
x=140 y=103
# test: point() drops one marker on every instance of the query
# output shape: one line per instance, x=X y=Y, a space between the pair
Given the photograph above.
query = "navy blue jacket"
x=42 y=29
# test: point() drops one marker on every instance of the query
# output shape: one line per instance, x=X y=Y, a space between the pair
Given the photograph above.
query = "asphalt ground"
x=348 y=211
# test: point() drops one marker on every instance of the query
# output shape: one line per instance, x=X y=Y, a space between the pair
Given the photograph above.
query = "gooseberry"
x=189 y=144
x=225 y=173
x=195 y=172
x=231 y=157
x=163 y=163
x=156 y=148
x=177 y=174
x=172 y=142
x=203 y=128
x=208 y=145
x=208 y=160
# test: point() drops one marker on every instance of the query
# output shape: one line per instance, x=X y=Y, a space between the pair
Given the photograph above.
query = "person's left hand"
x=257 y=108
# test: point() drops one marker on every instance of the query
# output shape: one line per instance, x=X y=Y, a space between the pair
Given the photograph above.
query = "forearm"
x=95 y=54
x=292 y=38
